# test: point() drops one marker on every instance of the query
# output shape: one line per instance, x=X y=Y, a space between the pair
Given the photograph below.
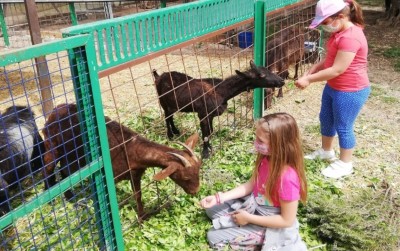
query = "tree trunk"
x=393 y=12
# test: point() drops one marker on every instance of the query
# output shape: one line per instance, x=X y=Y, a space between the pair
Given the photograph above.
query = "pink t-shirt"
x=355 y=77
x=289 y=189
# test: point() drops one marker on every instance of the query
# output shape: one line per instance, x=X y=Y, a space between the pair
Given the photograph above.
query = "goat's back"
x=179 y=92
x=62 y=132
x=285 y=48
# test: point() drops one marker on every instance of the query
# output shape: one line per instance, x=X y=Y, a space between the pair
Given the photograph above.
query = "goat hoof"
x=206 y=153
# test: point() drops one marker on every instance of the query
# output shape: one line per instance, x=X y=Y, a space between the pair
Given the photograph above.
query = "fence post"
x=41 y=63
x=74 y=18
x=3 y=26
x=259 y=53
x=88 y=96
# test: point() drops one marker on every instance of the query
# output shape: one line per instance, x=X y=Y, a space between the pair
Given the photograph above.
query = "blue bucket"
x=245 y=39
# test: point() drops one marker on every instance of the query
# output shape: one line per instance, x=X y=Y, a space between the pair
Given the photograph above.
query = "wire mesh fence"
x=35 y=214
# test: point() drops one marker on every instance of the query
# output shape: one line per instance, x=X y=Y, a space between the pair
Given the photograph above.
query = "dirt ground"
x=377 y=154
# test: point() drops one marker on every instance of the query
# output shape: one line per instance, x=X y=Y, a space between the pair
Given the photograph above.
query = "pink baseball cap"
x=325 y=9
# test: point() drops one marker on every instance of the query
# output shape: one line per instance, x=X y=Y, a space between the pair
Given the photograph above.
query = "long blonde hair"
x=285 y=150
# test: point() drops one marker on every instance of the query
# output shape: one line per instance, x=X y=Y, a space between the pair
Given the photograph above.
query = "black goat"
x=208 y=97
x=21 y=147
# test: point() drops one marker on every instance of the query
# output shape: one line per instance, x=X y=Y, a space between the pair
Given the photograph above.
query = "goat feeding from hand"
x=21 y=147
x=131 y=154
x=284 y=49
x=207 y=97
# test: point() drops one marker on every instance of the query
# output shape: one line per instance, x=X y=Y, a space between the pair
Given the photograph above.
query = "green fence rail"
x=123 y=39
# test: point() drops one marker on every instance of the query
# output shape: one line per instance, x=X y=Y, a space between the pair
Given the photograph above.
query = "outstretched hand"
x=208 y=201
x=302 y=83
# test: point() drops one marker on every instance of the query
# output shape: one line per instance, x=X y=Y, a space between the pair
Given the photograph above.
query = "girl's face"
x=261 y=144
x=332 y=24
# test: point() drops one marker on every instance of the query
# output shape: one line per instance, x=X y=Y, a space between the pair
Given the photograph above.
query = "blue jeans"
x=339 y=111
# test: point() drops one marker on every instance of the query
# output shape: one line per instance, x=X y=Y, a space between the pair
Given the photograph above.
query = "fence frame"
x=99 y=165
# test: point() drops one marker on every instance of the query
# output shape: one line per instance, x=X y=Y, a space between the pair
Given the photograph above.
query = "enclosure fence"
x=107 y=69
x=55 y=14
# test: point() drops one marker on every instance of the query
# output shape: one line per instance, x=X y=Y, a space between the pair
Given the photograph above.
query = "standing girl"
x=347 y=88
x=261 y=213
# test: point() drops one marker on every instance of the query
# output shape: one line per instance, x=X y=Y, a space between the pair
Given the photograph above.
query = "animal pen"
x=106 y=69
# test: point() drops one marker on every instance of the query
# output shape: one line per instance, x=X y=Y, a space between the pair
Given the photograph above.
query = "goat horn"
x=185 y=162
x=190 y=150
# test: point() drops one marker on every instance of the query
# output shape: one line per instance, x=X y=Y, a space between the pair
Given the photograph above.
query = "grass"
x=393 y=53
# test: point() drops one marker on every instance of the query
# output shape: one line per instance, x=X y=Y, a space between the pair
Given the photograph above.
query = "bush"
x=369 y=220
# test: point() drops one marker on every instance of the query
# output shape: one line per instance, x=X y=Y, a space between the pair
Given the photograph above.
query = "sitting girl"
x=261 y=213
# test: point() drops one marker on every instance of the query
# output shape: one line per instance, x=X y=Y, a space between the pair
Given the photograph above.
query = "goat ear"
x=253 y=65
x=192 y=140
x=165 y=173
x=243 y=75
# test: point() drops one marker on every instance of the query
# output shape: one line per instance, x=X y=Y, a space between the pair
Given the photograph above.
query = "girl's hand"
x=208 y=201
x=240 y=217
x=302 y=82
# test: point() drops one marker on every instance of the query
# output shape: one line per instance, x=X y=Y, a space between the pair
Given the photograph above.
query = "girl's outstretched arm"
x=237 y=192
x=342 y=61
x=283 y=220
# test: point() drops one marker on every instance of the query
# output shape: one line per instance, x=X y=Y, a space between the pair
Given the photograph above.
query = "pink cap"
x=325 y=9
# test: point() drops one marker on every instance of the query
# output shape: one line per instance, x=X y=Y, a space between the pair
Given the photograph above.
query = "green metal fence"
x=97 y=173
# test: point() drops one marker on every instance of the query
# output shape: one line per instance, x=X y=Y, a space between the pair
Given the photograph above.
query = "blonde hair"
x=285 y=150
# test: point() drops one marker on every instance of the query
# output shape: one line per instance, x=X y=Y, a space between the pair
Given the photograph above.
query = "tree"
x=393 y=12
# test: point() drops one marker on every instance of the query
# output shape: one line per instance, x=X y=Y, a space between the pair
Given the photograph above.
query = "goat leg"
x=206 y=131
x=4 y=203
x=48 y=171
x=37 y=154
x=171 y=128
x=65 y=173
x=136 y=176
x=296 y=72
x=280 y=93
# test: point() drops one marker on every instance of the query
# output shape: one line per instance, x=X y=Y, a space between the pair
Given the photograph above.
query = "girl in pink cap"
x=347 y=88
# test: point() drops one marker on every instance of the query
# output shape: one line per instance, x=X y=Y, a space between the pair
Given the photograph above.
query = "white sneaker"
x=321 y=154
x=338 y=169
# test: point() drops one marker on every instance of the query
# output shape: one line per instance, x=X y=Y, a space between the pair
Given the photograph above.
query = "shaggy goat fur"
x=20 y=151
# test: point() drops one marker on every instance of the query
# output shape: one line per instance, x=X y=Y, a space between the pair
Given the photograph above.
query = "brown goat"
x=208 y=97
x=131 y=154
x=285 y=49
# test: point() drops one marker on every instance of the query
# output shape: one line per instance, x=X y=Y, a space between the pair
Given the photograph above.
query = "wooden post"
x=41 y=63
